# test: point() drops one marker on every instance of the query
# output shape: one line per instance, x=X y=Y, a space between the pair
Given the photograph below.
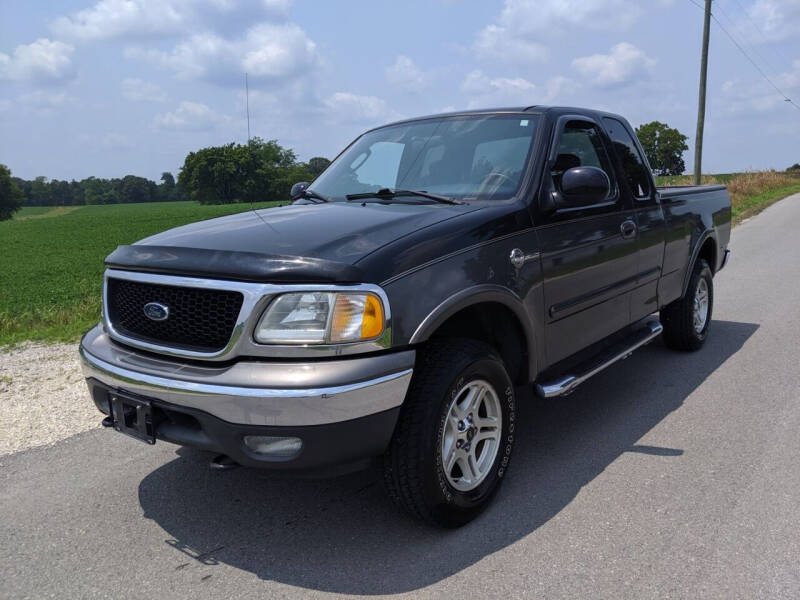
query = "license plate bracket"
x=133 y=416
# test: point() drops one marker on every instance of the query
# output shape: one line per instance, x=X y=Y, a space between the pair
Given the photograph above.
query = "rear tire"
x=453 y=440
x=686 y=320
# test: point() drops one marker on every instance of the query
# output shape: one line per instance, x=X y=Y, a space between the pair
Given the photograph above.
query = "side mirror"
x=583 y=186
x=298 y=189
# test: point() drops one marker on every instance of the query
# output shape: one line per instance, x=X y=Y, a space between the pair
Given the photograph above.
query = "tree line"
x=256 y=171
x=94 y=190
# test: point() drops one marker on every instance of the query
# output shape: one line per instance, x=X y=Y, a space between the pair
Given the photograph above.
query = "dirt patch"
x=43 y=396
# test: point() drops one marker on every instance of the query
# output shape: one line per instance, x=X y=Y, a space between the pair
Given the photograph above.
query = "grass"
x=750 y=192
x=32 y=211
x=51 y=268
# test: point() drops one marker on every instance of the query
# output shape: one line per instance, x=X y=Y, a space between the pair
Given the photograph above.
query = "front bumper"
x=344 y=410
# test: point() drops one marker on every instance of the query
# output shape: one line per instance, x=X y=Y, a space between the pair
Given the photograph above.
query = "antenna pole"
x=247 y=104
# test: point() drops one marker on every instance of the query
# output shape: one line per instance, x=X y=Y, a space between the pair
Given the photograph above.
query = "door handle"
x=628 y=229
x=518 y=258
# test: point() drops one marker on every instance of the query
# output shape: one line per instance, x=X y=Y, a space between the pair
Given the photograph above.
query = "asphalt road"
x=669 y=475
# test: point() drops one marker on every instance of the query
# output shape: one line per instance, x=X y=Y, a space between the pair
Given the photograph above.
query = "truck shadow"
x=343 y=536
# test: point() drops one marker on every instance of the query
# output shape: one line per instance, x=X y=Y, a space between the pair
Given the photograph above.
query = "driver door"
x=588 y=253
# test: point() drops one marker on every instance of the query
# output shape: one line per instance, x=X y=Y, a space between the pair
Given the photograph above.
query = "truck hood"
x=299 y=242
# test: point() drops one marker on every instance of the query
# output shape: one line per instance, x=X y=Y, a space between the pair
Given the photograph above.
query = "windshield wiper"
x=387 y=193
x=312 y=195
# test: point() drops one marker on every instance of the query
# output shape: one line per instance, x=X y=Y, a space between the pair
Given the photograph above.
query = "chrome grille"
x=199 y=319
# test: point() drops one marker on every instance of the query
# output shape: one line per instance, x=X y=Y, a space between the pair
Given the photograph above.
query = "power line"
x=760 y=31
x=743 y=40
x=747 y=56
x=752 y=62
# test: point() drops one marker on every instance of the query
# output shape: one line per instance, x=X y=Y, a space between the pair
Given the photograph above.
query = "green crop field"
x=33 y=211
x=51 y=266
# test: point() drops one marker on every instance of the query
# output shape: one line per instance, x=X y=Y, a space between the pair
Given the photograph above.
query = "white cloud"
x=42 y=61
x=142 y=91
x=190 y=116
x=484 y=91
x=622 y=66
x=109 y=19
x=500 y=42
x=776 y=20
x=559 y=88
x=349 y=107
x=130 y=19
x=526 y=28
x=406 y=74
x=268 y=52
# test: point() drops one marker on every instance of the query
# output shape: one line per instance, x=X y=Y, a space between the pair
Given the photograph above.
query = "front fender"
x=479 y=294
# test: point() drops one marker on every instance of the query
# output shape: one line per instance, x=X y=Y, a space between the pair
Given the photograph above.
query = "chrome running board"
x=567 y=383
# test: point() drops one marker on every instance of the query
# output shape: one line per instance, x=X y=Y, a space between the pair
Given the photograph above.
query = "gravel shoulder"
x=43 y=396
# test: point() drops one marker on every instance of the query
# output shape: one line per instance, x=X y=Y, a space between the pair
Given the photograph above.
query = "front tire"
x=686 y=320
x=454 y=437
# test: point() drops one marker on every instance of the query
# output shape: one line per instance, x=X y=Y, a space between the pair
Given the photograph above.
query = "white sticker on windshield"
x=523 y=123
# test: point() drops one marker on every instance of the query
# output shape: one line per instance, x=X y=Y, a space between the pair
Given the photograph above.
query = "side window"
x=581 y=145
x=633 y=165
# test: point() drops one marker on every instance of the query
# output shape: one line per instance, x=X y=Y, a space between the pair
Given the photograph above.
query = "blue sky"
x=115 y=87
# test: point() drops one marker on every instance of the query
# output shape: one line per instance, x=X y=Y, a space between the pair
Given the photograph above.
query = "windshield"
x=476 y=157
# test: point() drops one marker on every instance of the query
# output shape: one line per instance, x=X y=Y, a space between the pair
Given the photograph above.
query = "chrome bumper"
x=256 y=392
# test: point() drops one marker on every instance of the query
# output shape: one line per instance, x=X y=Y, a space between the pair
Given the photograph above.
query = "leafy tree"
x=168 y=190
x=257 y=171
x=167 y=180
x=11 y=196
x=40 y=192
x=317 y=165
x=664 y=147
x=795 y=168
x=135 y=189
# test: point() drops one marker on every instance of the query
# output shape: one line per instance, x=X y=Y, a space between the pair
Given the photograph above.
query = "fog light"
x=274 y=446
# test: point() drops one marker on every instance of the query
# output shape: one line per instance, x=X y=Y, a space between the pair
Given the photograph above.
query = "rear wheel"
x=686 y=320
x=454 y=437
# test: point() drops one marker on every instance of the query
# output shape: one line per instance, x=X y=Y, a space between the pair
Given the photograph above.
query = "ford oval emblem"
x=155 y=311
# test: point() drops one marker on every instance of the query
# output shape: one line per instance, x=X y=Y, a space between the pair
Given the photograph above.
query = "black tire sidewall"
x=703 y=272
x=453 y=505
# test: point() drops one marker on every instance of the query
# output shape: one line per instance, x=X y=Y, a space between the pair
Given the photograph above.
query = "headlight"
x=321 y=318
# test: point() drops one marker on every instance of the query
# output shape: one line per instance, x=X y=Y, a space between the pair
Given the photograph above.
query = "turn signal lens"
x=355 y=318
x=372 y=321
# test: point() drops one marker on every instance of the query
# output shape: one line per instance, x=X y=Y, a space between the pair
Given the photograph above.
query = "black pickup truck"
x=393 y=309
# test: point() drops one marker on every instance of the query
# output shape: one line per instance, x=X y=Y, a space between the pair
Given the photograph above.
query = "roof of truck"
x=535 y=108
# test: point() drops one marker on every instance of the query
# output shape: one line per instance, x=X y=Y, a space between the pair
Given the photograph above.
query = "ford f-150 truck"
x=394 y=309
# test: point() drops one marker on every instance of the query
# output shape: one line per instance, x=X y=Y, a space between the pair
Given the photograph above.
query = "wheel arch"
x=705 y=248
x=492 y=314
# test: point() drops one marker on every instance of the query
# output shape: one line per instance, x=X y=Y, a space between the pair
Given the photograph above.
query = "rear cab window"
x=633 y=165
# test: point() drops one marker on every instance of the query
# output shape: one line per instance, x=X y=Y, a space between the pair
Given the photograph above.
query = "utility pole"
x=701 y=102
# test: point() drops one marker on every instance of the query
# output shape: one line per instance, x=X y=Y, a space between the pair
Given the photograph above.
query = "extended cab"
x=394 y=307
